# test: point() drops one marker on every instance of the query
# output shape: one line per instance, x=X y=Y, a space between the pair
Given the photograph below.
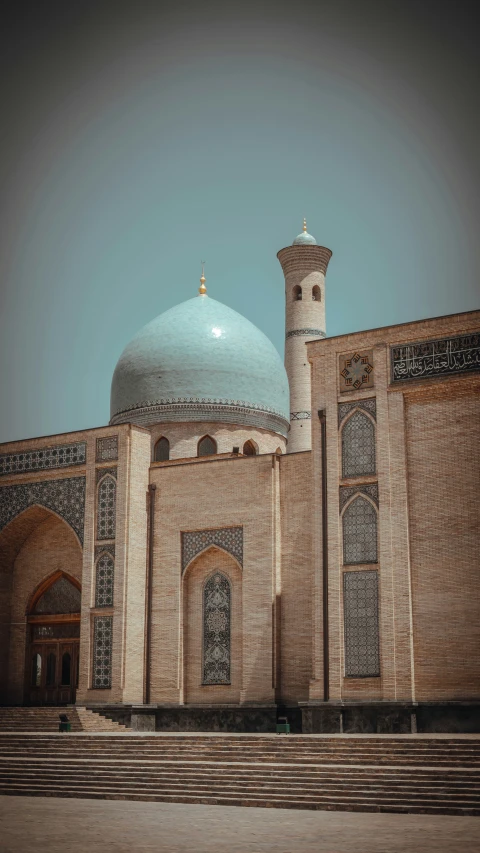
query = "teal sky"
x=138 y=142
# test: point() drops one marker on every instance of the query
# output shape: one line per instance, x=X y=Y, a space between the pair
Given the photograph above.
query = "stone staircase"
x=389 y=774
x=46 y=719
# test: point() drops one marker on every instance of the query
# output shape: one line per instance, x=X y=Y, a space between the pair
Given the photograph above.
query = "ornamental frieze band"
x=45 y=458
x=317 y=333
x=441 y=357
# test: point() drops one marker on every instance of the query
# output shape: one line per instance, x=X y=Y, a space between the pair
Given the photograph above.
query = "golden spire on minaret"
x=304 y=224
x=202 y=289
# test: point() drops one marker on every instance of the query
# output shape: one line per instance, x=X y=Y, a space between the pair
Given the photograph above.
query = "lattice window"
x=104 y=581
x=358 y=446
x=360 y=532
x=102 y=651
x=207 y=446
x=61 y=597
x=162 y=450
x=107 y=493
x=216 y=630
x=360 y=601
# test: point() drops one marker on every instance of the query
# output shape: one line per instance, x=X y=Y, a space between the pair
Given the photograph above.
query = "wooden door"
x=52 y=672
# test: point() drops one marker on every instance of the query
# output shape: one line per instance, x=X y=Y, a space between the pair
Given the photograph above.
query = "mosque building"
x=247 y=537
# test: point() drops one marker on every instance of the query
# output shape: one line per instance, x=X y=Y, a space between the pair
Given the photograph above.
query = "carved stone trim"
x=228 y=538
x=347 y=492
x=43 y=458
x=369 y=406
x=308 y=333
x=160 y=411
x=439 y=357
x=65 y=497
x=106 y=449
x=304 y=259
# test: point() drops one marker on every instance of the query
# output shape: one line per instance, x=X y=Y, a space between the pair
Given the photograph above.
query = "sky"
x=139 y=138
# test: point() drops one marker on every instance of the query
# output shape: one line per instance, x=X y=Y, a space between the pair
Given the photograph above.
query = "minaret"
x=304 y=266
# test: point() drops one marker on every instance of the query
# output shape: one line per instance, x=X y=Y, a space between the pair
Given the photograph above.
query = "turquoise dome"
x=201 y=361
x=304 y=239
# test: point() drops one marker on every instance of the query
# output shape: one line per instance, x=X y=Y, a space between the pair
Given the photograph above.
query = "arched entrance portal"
x=53 y=626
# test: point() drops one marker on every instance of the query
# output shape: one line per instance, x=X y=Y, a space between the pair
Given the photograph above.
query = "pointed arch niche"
x=212 y=628
x=36 y=548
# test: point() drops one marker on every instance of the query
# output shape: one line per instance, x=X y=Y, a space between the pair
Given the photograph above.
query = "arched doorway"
x=53 y=626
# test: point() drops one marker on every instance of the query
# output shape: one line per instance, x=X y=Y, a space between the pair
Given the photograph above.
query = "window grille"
x=107 y=493
x=102 y=651
x=61 y=597
x=358 y=446
x=360 y=532
x=207 y=446
x=360 y=601
x=104 y=581
x=216 y=630
x=162 y=450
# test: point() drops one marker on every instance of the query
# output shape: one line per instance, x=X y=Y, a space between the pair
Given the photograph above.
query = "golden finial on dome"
x=202 y=289
x=304 y=224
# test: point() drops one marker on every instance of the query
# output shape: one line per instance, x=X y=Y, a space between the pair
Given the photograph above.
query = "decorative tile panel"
x=360 y=602
x=216 y=630
x=228 y=538
x=346 y=492
x=356 y=371
x=104 y=581
x=359 y=532
x=368 y=406
x=45 y=458
x=61 y=597
x=440 y=357
x=358 y=446
x=107 y=449
x=65 y=497
x=106 y=508
x=102 y=652
x=300 y=416
x=307 y=333
x=102 y=472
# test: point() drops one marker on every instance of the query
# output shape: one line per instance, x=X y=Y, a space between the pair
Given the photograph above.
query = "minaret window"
x=207 y=446
x=297 y=293
x=162 y=450
x=316 y=294
x=250 y=448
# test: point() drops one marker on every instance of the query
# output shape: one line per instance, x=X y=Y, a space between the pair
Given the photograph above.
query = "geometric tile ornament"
x=104 y=581
x=347 y=492
x=61 y=597
x=360 y=602
x=66 y=497
x=358 y=446
x=359 y=532
x=107 y=449
x=228 y=538
x=107 y=492
x=102 y=651
x=216 y=630
x=441 y=357
x=60 y=456
x=368 y=405
x=356 y=371
x=317 y=333
x=300 y=416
